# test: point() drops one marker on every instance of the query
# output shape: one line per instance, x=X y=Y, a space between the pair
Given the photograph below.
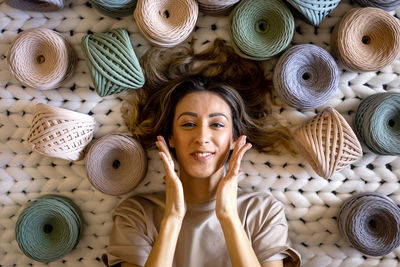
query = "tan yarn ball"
x=328 y=143
x=366 y=39
x=166 y=22
x=60 y=133
x=116 y=164
x=41 y=58
x=217 y=7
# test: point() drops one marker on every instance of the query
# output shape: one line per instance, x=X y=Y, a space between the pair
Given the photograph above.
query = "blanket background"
x=311 y=202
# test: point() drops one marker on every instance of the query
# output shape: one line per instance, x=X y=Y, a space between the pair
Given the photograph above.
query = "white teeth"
x=202 y=154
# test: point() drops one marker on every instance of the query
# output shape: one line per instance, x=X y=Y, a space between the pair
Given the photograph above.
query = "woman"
x=202 y=122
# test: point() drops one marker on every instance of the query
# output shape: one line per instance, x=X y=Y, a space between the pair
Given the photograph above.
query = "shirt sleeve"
x=133 y=233
x=268 y=230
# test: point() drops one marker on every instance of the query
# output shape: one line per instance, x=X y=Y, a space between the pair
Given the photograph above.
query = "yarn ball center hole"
x=372 y=224
x=306 y=76
x=261 y=26
x=116 y=164
x=166 y=14
x=47 y=228
x=391 y=123
x=40 y=59
x=366 y=39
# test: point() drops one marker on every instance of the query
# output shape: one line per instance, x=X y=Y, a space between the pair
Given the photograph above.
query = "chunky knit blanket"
x=311 y=202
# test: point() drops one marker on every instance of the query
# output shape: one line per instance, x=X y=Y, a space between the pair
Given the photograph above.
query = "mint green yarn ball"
x=260 y=29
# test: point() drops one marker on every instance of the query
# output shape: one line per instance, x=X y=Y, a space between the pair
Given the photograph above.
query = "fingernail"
x=244 y=140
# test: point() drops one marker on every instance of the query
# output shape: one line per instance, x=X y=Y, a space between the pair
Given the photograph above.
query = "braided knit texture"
x=311 y=202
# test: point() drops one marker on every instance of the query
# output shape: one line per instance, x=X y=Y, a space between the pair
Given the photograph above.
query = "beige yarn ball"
x=60 y=133
x=166 y=23
x=217 y=7
x=116 y=164
x=41 y=58
x=328 y=143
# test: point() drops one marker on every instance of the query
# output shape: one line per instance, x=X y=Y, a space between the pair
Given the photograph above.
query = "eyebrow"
x=195 y=114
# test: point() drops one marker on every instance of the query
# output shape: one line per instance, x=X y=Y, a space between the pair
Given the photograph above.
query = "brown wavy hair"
x=172 y=73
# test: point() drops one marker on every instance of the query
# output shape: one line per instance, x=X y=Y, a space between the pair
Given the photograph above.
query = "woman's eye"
x=218 y=125
x=188 y=124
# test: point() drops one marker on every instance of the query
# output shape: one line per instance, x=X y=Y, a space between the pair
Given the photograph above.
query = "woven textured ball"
x=41 y=58
x=370 y=222
x=115 y=8
x=115 y=164
x=260 y=29
x=217 y=7
x=387 y=5
x=306 y=76
x=314 y=10
x=112 y=62
x=377 y=123
x=166 y=23
x=41 y=6
x=366 y=39
x=49 y=228
x=328 y=143
x=60 y=133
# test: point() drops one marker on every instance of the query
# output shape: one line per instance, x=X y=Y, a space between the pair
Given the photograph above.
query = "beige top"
x=201 y=241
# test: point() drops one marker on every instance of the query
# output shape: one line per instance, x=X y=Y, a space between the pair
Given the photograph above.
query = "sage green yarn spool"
x=49 y=228
x=115 y=8
x=113 y=64
x=260 y=29
x=377 y=123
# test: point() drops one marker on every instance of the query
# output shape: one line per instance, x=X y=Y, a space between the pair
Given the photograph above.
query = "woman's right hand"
x=175 y=205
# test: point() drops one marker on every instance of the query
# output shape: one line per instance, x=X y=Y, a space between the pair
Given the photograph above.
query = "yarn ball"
x=328 y=143
x=115 y=8
x=315 y=10
x=166 y=22
x=306 y=76
x=41 y=58
x=377 y=123
x=260 y=29
x=387 y=5
x=217 y=7
x=116 y=163
x=366 y=39
x=60 y=133
x=112 y=62
x=370 y=222
x=40 y=6
x=48 y=228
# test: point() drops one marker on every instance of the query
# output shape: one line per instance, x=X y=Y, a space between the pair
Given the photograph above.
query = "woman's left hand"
x=226 y=199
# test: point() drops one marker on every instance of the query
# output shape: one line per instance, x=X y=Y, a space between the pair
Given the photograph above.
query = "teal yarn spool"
x=260 y=29
x=113 y=64
x=115 y=8
x=49 y=228
x=377 y=123
x=314 y=10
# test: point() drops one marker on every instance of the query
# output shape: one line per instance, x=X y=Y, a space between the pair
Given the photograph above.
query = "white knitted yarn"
x=311 y=202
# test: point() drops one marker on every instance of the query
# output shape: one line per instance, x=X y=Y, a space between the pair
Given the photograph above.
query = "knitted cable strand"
x=314 y=10
x=41 y=58
x=260 y=29
x=112 y=62
x=115 y=8
x=216 y=7
x=115 y=164
x=49 y=228
x=370 y=222
x=366 y=39
x=37 y=5
x=387 y=5
x=306 y=76
x=377 y=123
x=166 y=22
x=328 y=143
x=60 y=133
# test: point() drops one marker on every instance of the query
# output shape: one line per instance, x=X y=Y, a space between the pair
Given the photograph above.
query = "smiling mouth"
x=202 y=156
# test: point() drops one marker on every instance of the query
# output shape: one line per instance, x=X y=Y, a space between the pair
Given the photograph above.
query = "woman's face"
x=202 y=134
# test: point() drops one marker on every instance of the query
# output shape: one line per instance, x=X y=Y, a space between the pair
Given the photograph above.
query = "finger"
x=235 y=162
x=162 y=146
x=169 y=168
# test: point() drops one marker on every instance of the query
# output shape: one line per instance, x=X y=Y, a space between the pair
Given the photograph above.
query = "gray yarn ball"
x=306 y=76
x=370 y=222
x=387 y=5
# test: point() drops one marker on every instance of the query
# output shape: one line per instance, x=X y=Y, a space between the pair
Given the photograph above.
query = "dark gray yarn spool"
x=370 y=222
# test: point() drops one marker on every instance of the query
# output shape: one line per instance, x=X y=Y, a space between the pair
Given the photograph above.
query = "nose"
x=203 y=134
